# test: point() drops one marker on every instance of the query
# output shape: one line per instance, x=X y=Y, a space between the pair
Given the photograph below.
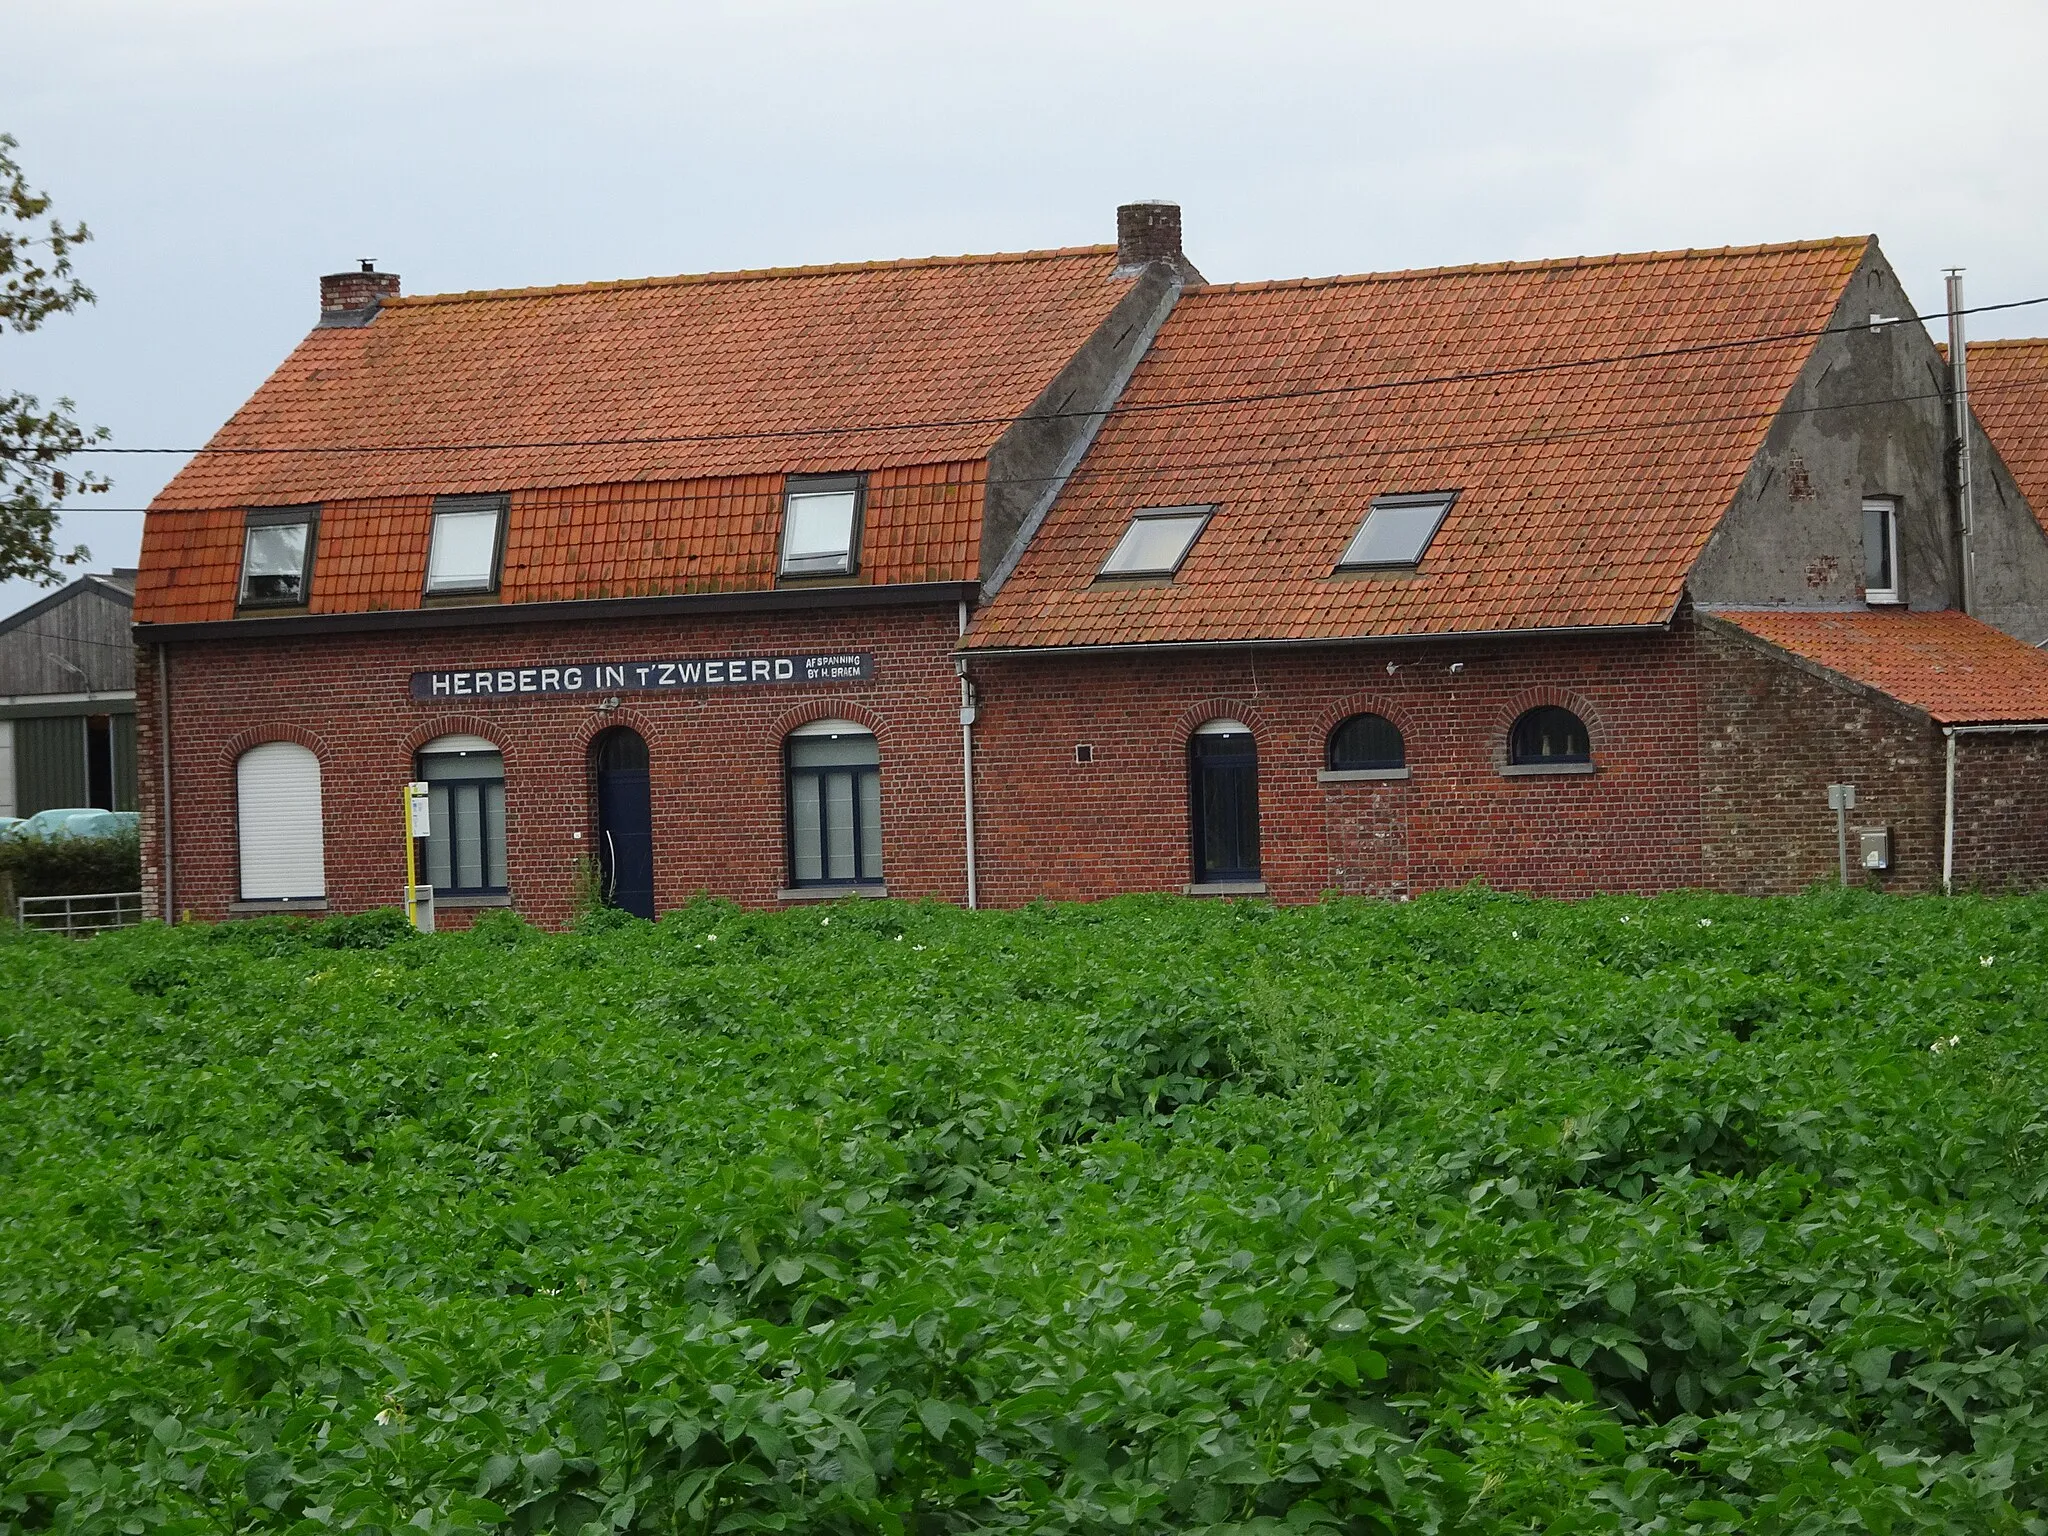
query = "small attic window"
x=821 y=518
x=468 y=540
x=1396 y=531
x=277 y=556
x=1156 y=542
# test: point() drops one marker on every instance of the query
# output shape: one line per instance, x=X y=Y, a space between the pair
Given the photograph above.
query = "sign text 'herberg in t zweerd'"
x=615 y=676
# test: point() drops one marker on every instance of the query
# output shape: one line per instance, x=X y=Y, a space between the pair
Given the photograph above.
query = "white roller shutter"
x=277 y=796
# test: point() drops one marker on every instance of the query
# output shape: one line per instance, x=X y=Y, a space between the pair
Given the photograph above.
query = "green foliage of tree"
x=36 y=441
x=1475 y=1215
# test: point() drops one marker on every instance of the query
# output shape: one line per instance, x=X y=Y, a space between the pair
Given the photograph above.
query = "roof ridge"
x=1552 y=263
x=2004 y=341
x=742 y=275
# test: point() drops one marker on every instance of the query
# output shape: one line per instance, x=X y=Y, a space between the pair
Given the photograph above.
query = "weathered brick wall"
x=1774 y=736
x=1713 y=759
x=1051 y=827
x=716 y=756
x=2001 y=812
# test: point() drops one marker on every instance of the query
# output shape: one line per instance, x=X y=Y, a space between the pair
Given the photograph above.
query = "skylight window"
x=821 y=520
x=1156 y=542
x=1396 y=531
x=467 y=539
x=277 y=556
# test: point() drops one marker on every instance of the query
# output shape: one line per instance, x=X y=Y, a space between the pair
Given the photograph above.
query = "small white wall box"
x=1875 y=846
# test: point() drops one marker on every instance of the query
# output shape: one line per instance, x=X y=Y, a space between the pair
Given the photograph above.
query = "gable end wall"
x=1868 y=416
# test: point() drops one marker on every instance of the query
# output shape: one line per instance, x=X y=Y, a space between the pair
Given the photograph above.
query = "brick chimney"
x=351 y=298
x=1150 y=232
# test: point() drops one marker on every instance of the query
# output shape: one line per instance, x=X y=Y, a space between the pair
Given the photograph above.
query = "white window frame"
x=1198 y=515
x=1438 y=501
x=1888 y=508
x=836 y=562
x=449 y=507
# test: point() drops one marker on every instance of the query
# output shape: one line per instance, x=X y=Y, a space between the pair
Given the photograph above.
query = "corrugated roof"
x=2009 y=393
x=1585 y=492
x=1948 y=665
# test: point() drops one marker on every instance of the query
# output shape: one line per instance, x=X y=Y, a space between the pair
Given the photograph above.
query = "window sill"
x=1358 y=775
x=280 y=904
x=269 y=610
x=1883 y=600
x=1546 y=770
x=829 y=892
x=1225 y=888
x=476 y=899
x=460 y=597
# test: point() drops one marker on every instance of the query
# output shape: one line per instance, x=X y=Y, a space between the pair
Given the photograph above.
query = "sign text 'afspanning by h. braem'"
x=624 y=676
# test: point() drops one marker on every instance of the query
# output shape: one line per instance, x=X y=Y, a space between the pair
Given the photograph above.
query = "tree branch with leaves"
x=36 y=282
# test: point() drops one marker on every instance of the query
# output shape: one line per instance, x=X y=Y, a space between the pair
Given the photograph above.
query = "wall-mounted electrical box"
x=1875 y=846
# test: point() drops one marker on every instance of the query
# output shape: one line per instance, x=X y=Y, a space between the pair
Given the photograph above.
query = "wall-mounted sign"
x=634 y=676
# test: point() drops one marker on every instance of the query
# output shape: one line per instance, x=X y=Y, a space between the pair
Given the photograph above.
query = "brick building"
x=1066 y=573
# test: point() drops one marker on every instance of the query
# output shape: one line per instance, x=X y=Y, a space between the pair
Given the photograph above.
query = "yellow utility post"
x=417 y=826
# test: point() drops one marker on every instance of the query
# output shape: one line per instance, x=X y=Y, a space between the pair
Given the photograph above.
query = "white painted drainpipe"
x=1948 y=813
x=967 y=712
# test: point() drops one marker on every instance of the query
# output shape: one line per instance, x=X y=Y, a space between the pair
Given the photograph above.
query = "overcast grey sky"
x=227 y=152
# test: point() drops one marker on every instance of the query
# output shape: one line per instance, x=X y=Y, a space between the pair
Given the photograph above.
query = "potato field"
x=1474 y=1214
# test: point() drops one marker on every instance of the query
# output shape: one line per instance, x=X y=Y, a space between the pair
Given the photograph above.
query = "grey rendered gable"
x=1033 y=460
x=1868 y=416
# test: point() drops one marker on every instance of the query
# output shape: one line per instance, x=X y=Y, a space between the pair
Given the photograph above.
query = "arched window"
x=277 y=823
x=834 y=772
x=465 y=778
x=1366 y=741
x=1223 y=796
x=1549 y=734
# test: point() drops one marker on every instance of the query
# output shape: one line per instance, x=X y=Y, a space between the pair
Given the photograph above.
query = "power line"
x=1093 y=468
x=1119 y=408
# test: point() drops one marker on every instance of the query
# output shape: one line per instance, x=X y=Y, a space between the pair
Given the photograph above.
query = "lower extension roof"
x=1952 y=668
x=1595 y=416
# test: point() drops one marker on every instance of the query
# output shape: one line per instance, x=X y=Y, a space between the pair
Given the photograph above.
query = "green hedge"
x=67 y=866
x=1474 y=1214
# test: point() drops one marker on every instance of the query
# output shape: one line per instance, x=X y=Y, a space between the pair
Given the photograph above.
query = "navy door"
x=1223 y=773
x=625 y=820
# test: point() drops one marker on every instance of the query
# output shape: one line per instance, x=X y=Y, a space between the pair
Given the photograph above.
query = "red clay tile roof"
x=690 y=395
x=1957 y=669
x=1586 y=492
x=2009 y=393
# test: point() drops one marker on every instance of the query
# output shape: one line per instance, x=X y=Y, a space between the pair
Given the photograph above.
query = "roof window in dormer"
x=821 y=518
x=1157 y=541
x=277 y=556
x=467 y=545
x=1396 y=531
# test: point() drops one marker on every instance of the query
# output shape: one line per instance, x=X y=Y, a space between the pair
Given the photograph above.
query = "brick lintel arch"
x=603 y=720
x=1382 y=704
x=262 y=735
x=1538 y=698
x=829 y=709
x=1223 y=709
x=492 y=731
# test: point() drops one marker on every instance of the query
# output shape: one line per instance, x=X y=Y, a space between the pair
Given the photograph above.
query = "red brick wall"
x=2001 y=812
x=1775 y=736
x=716 y=756
x=1050 y=827
x=1713 y=759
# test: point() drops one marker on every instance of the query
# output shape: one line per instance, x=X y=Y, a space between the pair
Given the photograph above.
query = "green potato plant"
x=1472 y=1214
